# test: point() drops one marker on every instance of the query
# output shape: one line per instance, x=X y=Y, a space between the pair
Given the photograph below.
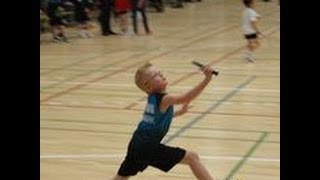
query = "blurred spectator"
x=104 y=16
x=56 y=14
x=81 y=17
x=157 y=4
x=122 y=9
x=139 y=6
x=43 y=21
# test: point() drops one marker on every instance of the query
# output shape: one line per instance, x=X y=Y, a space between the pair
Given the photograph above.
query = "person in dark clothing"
x=178 y=4
x=139 y=6
x=55 y=13
x=81 y=16
x=104 y=16
x=158 y=5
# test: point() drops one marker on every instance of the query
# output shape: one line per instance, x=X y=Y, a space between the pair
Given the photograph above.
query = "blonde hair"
x=140 y=74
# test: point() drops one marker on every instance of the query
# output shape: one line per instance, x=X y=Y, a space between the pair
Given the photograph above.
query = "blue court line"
x=214 y=106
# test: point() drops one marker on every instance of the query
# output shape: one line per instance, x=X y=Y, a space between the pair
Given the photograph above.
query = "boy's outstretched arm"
x=188 y=96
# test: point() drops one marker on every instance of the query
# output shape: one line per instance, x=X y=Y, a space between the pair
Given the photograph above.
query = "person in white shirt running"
x=250 y=28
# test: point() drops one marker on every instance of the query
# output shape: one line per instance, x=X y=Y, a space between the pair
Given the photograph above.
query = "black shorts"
x=251 y=36
x=162 y=157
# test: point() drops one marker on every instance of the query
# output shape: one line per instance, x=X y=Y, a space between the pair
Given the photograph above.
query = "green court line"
x=246 y=156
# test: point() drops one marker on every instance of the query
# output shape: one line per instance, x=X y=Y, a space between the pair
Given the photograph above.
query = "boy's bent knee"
x=194 y=156
x=191 y=157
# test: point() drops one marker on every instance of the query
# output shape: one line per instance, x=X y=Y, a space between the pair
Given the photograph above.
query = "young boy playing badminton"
x=250 y=28
x=145 y=148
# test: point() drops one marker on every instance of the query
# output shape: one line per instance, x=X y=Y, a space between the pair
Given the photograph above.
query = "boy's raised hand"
x=201 y=66
x=207 y=70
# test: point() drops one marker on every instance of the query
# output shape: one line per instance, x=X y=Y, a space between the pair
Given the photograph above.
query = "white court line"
x=175 y=87
x=118 y=156
x=80 y=156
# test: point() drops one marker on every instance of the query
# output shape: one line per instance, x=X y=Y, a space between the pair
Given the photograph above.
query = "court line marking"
x=246 y=157
x=170 y=69
x=173 y=126
x=165 y=53
x=208 y=110
x=173 y=87
x=74 y=57
x=123 y=69
x=100 y=104
x=135 y=64
x=183 y=45
x=60 y=105
x=118 y=156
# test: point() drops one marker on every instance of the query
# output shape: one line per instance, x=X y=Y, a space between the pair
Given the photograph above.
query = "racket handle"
x=201 y=66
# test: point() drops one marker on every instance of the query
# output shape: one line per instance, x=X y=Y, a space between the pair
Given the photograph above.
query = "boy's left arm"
x=182 y=111
x=254 y=23
x=255 y=27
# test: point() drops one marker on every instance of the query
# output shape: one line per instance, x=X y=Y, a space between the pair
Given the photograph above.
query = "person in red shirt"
x=122 y=9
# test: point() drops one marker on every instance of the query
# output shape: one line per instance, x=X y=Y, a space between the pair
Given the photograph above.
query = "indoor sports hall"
x=90 y=105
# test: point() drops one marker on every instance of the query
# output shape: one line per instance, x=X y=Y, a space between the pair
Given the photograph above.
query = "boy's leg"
x=256 y=42
x=129 y=167
x=253 y=44
x=192 y=159
x=248 y=51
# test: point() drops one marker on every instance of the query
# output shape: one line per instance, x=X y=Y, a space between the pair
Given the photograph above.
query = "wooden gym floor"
x=90 y=105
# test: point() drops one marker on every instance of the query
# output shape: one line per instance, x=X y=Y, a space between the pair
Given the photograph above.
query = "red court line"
x=133 y=65
x=85 y=84
x=78 y=62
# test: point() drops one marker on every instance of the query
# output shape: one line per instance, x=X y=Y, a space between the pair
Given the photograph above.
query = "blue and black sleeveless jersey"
x=154 y=124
